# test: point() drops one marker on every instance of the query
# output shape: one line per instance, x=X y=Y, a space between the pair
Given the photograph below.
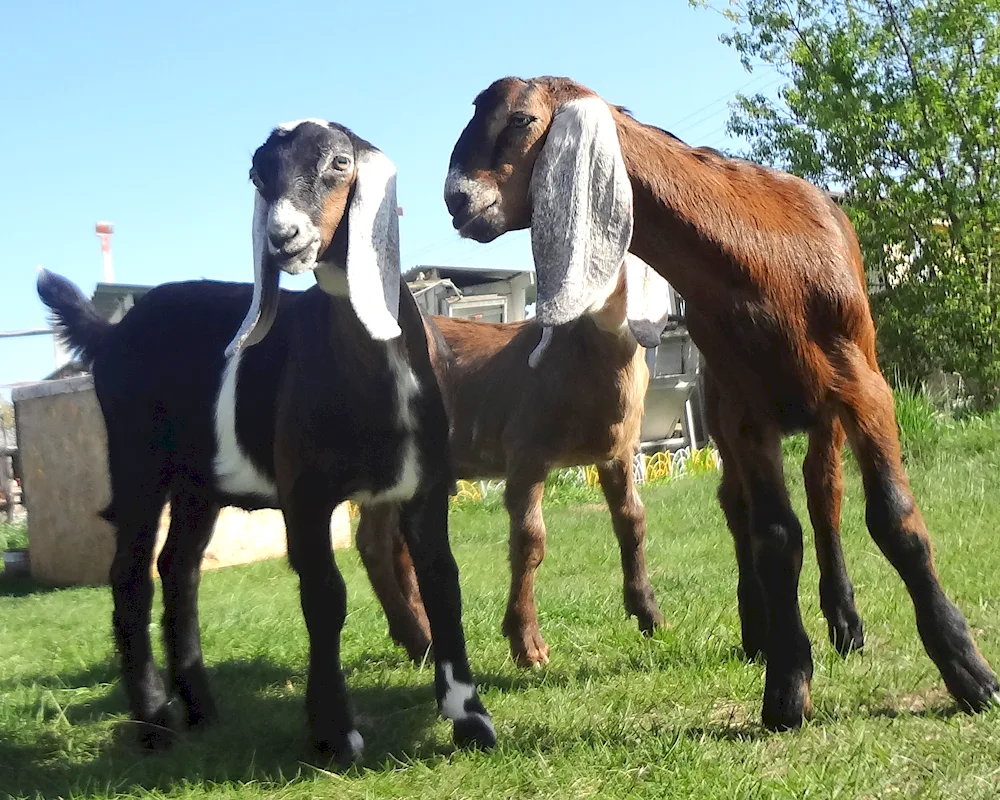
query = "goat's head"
x=544 y=153
x=325 y=201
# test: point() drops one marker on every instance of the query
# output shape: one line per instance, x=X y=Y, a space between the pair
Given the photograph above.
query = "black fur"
x=316 y=412
x=76 y=321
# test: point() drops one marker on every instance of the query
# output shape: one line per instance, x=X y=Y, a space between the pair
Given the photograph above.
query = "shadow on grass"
x=261 y=736
x=22 y=586
x=739 y=731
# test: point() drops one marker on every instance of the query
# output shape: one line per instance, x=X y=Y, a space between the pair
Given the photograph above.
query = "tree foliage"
x=6 y=414
x=895 y=102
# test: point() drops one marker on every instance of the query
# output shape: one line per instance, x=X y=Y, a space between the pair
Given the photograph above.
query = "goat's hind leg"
x=135 y=517
x=824 y=482
x=628 y=517
x=424 y=522
x=192 y=519
x=896 y=525
x=390 y=570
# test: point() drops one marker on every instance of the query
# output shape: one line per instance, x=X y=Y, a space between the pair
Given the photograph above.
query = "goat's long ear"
x=373 y=247
x=264 y=305
x=647 y=304
x=581 y=213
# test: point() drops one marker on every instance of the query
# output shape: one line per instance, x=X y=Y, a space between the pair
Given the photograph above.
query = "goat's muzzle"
x=292 y=238
x=474 y=206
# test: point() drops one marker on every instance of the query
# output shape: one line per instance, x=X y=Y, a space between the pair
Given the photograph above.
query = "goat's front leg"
x=390 y=570
x=776 y=543
x=733 y=501
x=192 y=519
x=824 y=482
x=523 y=498
x=628 y=517
x=424 y=522
x=324 y=604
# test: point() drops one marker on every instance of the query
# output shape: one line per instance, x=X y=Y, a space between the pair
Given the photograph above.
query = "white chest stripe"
x=407 y=389
x=234 y=472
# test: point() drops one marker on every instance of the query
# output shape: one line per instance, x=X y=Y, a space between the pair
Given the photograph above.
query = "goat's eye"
x=340 y=162
x=520 y=120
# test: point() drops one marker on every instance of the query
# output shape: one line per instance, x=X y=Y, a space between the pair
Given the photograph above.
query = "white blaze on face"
x=284 y=220
x=294 y=226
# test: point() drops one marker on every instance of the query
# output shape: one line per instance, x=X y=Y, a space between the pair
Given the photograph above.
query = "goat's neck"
x=609 y=315
x=682 y=219
x=345 y=325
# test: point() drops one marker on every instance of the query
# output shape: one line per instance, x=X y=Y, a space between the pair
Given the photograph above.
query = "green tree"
x=895 y=102
x=6 y=414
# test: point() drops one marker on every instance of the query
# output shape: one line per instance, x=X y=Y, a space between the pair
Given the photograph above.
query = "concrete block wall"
x=63 y=451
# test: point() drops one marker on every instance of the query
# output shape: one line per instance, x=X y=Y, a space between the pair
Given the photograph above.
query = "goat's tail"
x=74 y=317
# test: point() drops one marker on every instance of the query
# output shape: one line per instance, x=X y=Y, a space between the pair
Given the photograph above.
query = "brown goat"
x=773 y=280
x=581 y=404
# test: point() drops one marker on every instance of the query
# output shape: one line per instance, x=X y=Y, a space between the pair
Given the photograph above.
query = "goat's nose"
x=280 y=236
x=457 y=202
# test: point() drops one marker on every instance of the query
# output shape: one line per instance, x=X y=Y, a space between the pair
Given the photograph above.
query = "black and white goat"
x=337 y=399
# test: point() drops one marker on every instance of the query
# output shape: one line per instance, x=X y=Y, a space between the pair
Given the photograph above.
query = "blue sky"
x=146 y=114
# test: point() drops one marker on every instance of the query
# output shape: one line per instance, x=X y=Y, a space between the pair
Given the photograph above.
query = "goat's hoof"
x=416 y=646
x=651 y=621
x=973 y=684
x=474 y=731
x=203 y=716
x=345 y=748
x=418 y=654
x=847 y=635
x=642 y=606
x=156 y=737
x=528 y=649
x=787 y=702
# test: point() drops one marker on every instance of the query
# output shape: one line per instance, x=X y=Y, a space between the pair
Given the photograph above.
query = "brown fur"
x=332 y=212
x=582 y=405
x=772 y=275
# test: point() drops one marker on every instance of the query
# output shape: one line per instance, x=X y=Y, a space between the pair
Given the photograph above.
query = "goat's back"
x=582 y=403
x=159 y=372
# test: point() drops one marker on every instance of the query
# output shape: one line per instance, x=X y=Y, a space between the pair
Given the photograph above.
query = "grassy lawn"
x=614 y=715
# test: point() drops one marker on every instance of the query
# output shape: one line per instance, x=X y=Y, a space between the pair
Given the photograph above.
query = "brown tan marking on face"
x=488 y=189
x=333 y=210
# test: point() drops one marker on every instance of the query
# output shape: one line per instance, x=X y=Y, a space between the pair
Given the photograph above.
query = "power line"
x=721 y=99
x=691 y=132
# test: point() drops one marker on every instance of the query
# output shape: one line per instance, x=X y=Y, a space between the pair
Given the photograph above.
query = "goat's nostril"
x=457 y=202
x=281 y=237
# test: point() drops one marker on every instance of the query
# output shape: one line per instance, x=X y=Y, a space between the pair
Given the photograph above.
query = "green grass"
x=12 y=536
x=614 y=715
